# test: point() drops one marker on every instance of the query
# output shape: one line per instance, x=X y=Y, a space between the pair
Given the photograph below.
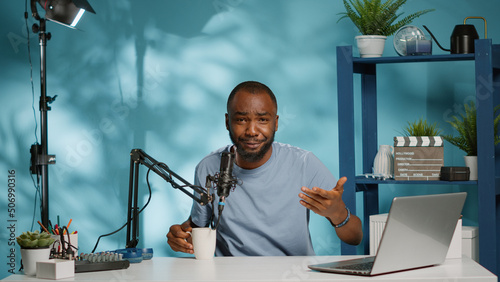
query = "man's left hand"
x=326 y=203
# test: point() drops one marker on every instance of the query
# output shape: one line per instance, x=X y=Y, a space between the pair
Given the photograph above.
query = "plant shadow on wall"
x=126 y=82
x=111 y=100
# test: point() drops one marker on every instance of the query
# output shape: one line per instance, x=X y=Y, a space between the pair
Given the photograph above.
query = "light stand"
x=40 y=159
x=39 y=156
x=138 y=157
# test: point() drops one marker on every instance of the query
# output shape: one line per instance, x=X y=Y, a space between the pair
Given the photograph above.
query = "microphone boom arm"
x=137 y=157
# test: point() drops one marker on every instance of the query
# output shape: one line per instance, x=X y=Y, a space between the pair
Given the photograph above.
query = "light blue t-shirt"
x=263 y=216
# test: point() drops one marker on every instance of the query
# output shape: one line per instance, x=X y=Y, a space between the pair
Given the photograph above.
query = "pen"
x=43 y=227
x=50 y=228
x=67 y=226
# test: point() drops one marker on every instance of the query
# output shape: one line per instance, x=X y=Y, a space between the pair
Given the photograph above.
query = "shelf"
x=364 y=180
x=414 y=59
x=366 y=65
x=486 y=66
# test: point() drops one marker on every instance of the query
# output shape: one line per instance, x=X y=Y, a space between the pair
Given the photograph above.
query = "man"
x=268 y=212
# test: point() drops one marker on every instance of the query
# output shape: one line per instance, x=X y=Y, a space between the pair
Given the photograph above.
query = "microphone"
x=226 y=180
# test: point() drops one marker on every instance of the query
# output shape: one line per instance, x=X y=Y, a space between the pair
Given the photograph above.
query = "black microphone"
x=226 y=180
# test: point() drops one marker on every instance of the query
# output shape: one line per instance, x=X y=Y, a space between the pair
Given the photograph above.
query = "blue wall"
x=156 y=74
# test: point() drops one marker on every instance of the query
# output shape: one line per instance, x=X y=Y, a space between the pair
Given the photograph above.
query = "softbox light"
x=65 y=12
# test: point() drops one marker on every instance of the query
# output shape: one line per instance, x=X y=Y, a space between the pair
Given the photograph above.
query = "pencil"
x=43 y=227
x=67 y=226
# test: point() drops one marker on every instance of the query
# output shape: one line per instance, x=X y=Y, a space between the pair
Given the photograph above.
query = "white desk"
x=262 y=269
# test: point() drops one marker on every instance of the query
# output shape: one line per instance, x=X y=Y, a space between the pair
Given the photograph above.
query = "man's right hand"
x=178 y=238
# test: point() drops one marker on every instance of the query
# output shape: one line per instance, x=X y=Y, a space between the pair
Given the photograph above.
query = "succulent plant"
x=34 y=240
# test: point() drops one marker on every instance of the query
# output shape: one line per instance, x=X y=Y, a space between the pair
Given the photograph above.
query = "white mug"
x=203 y=242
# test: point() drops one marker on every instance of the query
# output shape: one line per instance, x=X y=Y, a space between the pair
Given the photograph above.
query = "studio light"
x=68 y=13
x=65 y=12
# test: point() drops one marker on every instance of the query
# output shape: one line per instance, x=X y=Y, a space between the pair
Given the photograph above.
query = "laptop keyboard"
x=359 y=266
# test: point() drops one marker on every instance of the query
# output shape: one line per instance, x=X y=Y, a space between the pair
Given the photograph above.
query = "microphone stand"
x=138 y=157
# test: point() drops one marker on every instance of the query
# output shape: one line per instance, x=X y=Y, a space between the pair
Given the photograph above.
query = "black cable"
x=69 y=249
x=218 y=220
x=35 y=184
x=37 y=188
x=106 y=235
x=123 y=226
x=158 y=165
x=31 y=69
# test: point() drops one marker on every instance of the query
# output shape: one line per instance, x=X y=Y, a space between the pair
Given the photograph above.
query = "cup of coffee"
x=203 y=242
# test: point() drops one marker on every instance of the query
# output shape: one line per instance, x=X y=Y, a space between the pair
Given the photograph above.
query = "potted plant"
x=466 y=140
x=35 y=246
x=418 y=153
x=421 y=128
x=375 y=21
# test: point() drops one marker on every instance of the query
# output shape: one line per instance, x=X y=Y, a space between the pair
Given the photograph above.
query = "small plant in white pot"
x=466 y=126
x=35 y=246
x=375 y=21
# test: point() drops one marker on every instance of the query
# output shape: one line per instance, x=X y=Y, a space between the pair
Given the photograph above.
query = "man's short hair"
x=252 y=87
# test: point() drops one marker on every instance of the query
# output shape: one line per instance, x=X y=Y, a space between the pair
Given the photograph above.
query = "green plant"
x=34 y=240
x=421 y=128
x=467 y=130
x=372 y=17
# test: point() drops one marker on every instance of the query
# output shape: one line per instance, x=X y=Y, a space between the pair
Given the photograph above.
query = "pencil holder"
x=72 y=242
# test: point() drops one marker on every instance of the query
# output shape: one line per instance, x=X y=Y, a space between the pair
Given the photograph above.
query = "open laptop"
x=417 y=234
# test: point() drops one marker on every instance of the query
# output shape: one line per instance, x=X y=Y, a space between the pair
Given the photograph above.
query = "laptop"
x=417 y=234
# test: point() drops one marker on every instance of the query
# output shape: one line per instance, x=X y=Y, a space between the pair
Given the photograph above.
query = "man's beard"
x=252 y=156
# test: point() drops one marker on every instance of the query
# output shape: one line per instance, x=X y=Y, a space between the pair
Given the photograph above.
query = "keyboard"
x=365 y=266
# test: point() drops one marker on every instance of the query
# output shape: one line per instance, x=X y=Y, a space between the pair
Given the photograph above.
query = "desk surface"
x=262 y=269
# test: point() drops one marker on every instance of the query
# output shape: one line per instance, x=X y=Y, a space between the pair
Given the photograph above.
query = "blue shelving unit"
x=487 y=75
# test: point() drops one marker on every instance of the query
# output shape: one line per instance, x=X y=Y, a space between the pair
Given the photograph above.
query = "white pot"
x=471 y=163
x=370 y=45
x=31 y=256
